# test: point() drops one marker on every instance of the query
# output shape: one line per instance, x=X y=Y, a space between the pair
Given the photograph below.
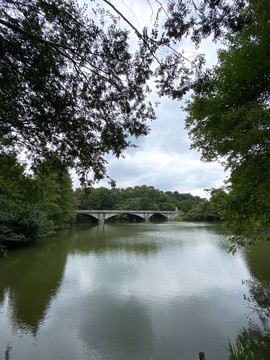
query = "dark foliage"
x=32 y=206
x=69 y=84
x=229 y=120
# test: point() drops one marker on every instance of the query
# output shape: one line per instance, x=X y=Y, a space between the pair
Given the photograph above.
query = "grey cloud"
x=163 y=158
x=166 y=171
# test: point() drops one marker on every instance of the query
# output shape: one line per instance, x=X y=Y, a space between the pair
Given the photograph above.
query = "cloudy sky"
x=163 y=159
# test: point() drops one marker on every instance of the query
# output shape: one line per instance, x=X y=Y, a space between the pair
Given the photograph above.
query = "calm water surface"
x=125 y=291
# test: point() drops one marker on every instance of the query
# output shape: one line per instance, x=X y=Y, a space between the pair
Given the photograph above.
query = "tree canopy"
x=229 y=119
x=69 y=84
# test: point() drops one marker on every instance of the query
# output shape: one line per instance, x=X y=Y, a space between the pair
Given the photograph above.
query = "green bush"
x=22 y=222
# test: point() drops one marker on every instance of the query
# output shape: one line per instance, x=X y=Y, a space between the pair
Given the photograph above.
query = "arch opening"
x=125 y=217
x=158 y=217
x=85 y=218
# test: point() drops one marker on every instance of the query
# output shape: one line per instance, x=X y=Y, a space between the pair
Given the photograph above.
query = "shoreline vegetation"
x=35 y=204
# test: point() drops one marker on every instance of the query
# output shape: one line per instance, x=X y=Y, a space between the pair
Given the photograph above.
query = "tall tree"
x=21 y=219
x=53 y=189
x=229 y=119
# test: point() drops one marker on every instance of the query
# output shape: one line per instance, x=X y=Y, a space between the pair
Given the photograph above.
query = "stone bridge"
x=102 y=215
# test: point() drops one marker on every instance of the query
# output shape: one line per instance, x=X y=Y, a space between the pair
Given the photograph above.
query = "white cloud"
x=166 y=171
x=163 y=158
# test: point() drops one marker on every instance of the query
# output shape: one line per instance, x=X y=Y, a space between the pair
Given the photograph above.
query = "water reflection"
x=103 y=237
x=30 y=279
x=123 y=291
x=258 y=259
x=254 y=339
x=115 y=328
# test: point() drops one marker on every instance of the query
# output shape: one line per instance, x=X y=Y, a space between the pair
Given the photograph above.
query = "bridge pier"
x=146 y=218
x=101 y=218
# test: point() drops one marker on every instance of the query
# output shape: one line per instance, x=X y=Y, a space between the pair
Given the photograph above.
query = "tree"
x=32 y=206
x=137 y=198
x=229 y=119
x=203 y=211
x=53 y=189
x=15 y=185
x=69 y=84
x=186 y=205
x=25 y=222
x=218 y=199
x=134 y=203
x=20 y=217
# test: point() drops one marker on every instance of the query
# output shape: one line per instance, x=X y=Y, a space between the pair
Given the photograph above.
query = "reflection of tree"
x=100 y=238
x=258 y=258
x=254 y=343
x=255 y=340
x=32 y=277
x=259 y=299
x=30 y=280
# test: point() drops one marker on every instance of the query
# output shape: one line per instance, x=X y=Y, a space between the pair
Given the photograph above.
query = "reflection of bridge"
x=102 y=215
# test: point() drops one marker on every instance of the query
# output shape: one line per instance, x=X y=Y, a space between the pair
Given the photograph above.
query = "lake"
x=127 y=291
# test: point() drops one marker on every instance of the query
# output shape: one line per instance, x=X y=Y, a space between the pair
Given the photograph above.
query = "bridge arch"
x=81 y=215
x=111 y=215
x=158 y=215
x=102 y=215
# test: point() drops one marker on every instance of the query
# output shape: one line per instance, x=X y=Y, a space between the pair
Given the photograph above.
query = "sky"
x=163 y=158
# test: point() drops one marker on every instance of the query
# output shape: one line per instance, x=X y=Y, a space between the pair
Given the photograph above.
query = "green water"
x=126 y=291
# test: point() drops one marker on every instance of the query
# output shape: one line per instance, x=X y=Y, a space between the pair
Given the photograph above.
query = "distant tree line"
x=147 y=198
x=40 y=200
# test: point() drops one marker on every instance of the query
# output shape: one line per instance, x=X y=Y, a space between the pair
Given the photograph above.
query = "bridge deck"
x=102 y=215
x=127 y=211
